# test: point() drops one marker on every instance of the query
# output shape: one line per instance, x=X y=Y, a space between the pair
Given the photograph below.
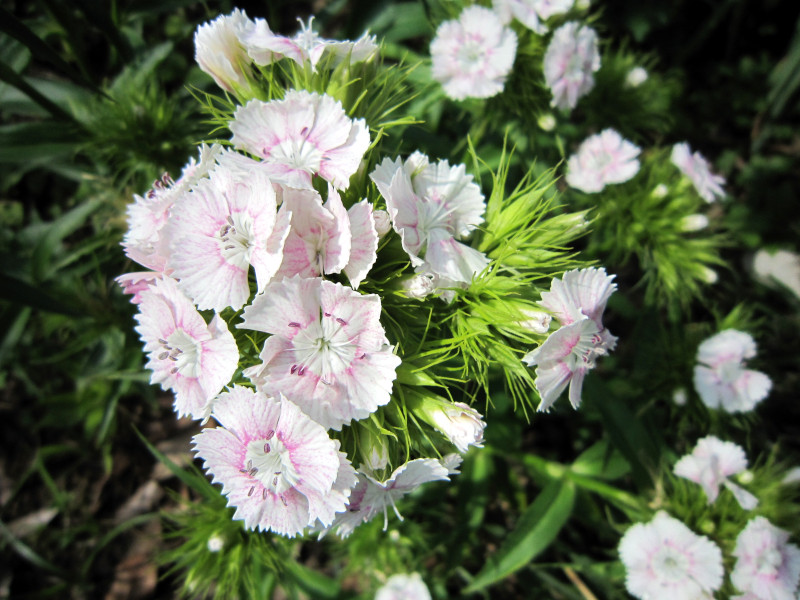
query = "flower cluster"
x=664 y=559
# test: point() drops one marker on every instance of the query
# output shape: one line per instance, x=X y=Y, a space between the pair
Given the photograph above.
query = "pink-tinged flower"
x=319 y=239
x=186 y=355
x=327 y=351
x=665 y=560
x=220 y=52
x=147 y=215
x=302 y=135
x=223 y=226
x=711 y=463
x=577 y=301
x=278 y=468
x=602 y=159
x=473 y=55
x=371 y=497
x=404 y=587
x=767 y=566
x=531 y=13
x=432 y=206
x=266 y=47
x=721 y=379
x=364 y=242
x=697 y=169
x=569 y=63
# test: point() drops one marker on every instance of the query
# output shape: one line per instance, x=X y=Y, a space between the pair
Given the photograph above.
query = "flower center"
x=270 y=462
x=299 y=153
x=769 y=562
x=184 y=351
x=236 y=239
x=669 y=564
x=324 y=348
x=729 y=371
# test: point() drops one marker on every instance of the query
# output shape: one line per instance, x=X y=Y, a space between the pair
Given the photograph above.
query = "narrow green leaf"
x=12 y=78
x=315 y=584
x=194 y=480
x=601 y=460
x=537 y=529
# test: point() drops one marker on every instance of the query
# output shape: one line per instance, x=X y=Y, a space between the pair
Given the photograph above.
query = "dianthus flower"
x=220 y=52
x=186 y=355
x=266 y=47
x=327 y=351
x=472 y=55
x=711 y=463
x=569 y=63
x=278 y=468
x=577 y=301
x=371 y=497
x=721 y=379
x=767 y=566
x=404 y=587
x=432 y=206
x=531 y=13
x=145 y=241
x=665 y=560
x=303 y=134
x=697 y=169
x=223 y=226
x=602 y=159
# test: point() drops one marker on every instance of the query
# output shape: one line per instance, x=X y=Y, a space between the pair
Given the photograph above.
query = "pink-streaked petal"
x=284 y=307
x=745 y=499
x=579 y=292
x=364 y=242
x=136 y=283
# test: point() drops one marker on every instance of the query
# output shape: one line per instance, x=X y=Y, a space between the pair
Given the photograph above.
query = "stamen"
x=163 y=355
x=173 y=358
x=327 y=314
x=270 y=433
x=341 y=321
x=285 y=503
x=301 y=371
x=264 y=494
x=293 y=369
x=275 y=480
x=250 y=465
x=304 y=132
x=250 y=493
x=252 y=472
x=230 y=220
x=244 y=471
x=294 y=324
x=266 y=448
x=173 y=371
x=163 y=342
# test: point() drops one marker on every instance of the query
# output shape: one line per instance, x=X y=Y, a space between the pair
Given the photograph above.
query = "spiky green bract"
x=639 y=112
x=657 y=218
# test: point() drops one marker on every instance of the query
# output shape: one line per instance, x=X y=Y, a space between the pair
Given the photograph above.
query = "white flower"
x=665 y=560
x=697 y=169
x=215 y=543
x=780 y=266
x=636 y=77
x=711 y=463
x=569 y=63
x=404 y=587
x=473 y=55
x=531 y=13
x=547 y=122
x=721 y=379
x=220 y=53
x=303 y=134
x=371 y=497
x=767 y=566
x=432 y=207
x=419 y=286
x=577 y=302
x=602 y=159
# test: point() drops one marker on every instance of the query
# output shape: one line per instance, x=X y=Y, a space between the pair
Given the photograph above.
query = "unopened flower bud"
x=636 y=77
x=419 y=286
x=745 y=477
x=694 y=222
x=709 y=275
x=374 y=452
x=582 y=4
x=680 y=397
x=460 y=423
x=660 y=191
x=547 y=122
x=220 y=53
x=215 y=543
x=383 y=223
